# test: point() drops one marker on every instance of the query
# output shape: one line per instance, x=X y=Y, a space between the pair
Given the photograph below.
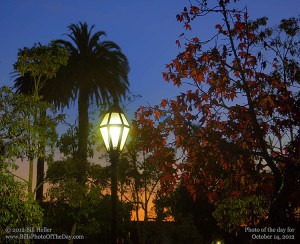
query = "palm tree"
x=95 y=71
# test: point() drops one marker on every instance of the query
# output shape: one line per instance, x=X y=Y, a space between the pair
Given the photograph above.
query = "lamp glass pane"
x=104 y=134
x=115 y=119
x=104 y=121
x=124 y=119
x=114 y=135
x=124 y=136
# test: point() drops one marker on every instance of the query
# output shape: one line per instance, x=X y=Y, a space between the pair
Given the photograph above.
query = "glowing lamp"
x=114 y=129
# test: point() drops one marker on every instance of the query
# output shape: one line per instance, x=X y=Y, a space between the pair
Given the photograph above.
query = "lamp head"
x=114 y=129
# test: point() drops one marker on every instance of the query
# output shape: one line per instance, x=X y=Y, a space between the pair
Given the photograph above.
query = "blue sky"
x=145 y=30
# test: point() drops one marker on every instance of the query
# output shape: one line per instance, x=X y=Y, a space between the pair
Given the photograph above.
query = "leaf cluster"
x=41 y=60
x=19 y=130
x=16 y=209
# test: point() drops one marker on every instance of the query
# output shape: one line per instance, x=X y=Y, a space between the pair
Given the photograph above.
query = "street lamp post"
x=114 y=129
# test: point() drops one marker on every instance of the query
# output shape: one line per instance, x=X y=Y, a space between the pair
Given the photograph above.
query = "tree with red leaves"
x=236 y=130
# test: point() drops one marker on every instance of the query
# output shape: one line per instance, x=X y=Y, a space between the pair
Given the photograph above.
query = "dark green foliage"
x=16 y=124
x=42 y=63
x=94 y=216
x=17 y=211
x=193 y=219
x=36 y=66
x=59 y=98
x=87 y=205
x=232 y=214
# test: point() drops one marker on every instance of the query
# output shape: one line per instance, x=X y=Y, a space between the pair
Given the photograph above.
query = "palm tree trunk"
x=83 y=107
x=40 y=178
x=40 y=166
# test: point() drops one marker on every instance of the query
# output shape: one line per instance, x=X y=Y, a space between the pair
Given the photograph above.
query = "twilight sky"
x=146 y=31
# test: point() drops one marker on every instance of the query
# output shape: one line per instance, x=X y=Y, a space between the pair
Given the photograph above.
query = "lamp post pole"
x=114 y=158
x=114 y=129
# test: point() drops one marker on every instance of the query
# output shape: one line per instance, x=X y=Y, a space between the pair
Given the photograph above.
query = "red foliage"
x=224 y=127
